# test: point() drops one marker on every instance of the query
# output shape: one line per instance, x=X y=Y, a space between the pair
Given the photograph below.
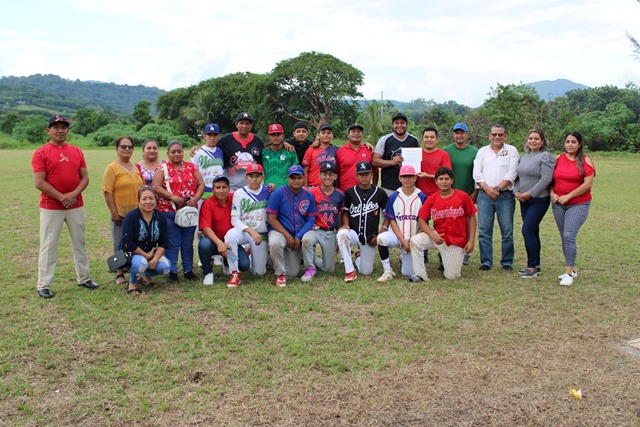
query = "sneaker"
x=574 y=274
x=465 y=261
x=190 y=275
x=173 y=277
x=45 y=293
x=350 y=277
x=484 y=267
x=387 y=276
x=524 y=270
x=234 y=280
x=308 y=274
x=281 y=281
x=217 y=260
x=208 y=279
x=529 y=273
x=415 y=279
x=566 y=280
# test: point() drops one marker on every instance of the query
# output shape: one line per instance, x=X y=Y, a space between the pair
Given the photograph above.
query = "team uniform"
x=275 y=165
x=210 y=163
x=450 y=220
x=346 y=160
x=389 y=146
x=314 y=158
x=365 y=208
x=329 y=208
x=238 y=154
x=404 y=211
x=430 y=163
x=296 y=213
x=249 y=210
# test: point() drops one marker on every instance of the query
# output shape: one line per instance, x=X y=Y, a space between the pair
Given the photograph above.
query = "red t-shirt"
x=216 y=217
x=430 y=164
x=567 y=178
x=450 y=216
x=313 y=158
x=61 y=165
x=346 y=160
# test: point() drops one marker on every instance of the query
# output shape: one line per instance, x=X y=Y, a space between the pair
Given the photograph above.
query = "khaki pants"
x=50 y=227
x=452 y=256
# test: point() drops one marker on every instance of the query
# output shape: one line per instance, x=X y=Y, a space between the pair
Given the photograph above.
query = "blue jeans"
x=532 y=211
x=207 y=249
x=140 y=265
x=503 y=207
x=180 y=239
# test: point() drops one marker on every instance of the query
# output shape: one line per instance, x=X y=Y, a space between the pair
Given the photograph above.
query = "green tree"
x=606 y=130
x=310 y=86
x=373 y=120
x=106 y=135
x=9 y=120
x=87 y=121
x=142 y=114
x=31 y=129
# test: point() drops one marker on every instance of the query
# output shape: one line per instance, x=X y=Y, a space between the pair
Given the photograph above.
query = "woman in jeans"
x=531 y=189
x=571 y=196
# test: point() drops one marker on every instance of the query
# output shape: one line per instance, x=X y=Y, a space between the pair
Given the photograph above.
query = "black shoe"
x=415 y=279
x=45 y=293
x=190 y=275
x=441 y=267
x=484 y=267
x=173 y=277
x=507 y=268
x=89 y=284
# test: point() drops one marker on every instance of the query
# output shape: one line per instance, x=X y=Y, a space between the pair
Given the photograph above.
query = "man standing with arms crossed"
x=60 y=173
x=388 y=153
x=494 y=171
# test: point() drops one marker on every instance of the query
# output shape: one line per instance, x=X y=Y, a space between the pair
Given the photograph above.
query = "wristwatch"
x=498 y=189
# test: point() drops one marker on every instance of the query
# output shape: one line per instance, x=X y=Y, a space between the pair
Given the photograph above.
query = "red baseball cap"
x=275 y=128
x=255 y=168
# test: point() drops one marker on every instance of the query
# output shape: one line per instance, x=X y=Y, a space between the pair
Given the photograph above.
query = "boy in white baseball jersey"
x=402 y=215
x=454 y=228
x=249 y=220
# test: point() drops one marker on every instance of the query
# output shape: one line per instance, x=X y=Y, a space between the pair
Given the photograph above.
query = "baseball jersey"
x=249 y=209
x=238 y=154
x=346 y=159
x=313 y=159
x=296 y=212
x=404 y=211
x=275 y=165
x=61 y=165
x=365 y=207
x=462 y=166
x=389 y=146
x=210 y=163
x=449 y=216
x=430 y=164
x=328 y=207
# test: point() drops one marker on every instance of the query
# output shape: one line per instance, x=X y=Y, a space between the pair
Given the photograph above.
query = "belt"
x=326 y=229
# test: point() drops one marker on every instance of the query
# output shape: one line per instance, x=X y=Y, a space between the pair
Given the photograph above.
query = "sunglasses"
x=126 y=147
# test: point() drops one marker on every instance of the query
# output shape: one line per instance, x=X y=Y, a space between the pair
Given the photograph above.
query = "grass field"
x=490 y=349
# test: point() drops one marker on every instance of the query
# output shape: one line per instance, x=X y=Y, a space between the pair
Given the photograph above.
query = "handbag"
x=119 y=260
x=185 y=217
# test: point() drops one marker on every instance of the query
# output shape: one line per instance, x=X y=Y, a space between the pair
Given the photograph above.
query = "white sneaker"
x=566 y=280
x=217 y=260
x=208 y=279
x=387 y=276
x=574 y=274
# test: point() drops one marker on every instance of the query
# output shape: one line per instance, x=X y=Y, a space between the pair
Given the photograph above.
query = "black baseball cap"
x=364 y=167
x=397 y=116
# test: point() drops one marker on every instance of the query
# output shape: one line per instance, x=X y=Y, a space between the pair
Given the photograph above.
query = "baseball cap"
x=397 y=116
x=324 y=126
x=211 y=128
x=407 y=170
x=220 y=178
x=353 y=126
x=58 y=119
x=244 y=116
x=295 y=170
x=328 y=166
x=254 y=168
x=363 y=167
x=275 y=128
x=301 y=125
x=460 y=126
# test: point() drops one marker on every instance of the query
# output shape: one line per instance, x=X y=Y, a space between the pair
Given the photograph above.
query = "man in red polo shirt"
x=215 y=221
x=351 y=154
x=60 y=173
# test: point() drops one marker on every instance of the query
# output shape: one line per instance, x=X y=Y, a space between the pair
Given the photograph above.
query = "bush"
x=107 y=135
x=31 y=129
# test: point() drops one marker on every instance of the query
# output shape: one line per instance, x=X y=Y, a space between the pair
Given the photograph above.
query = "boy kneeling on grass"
x=452 y=234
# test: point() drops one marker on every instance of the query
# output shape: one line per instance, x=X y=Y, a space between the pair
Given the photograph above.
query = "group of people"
x=275 y=204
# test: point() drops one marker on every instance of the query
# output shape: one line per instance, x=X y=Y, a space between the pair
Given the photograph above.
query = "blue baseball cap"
x=295 y=170
x=211 y=128
x=460 y=126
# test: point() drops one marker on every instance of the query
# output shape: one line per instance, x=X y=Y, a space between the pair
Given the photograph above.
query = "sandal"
x=134 y=291
x=145 y=281
x=120 y=279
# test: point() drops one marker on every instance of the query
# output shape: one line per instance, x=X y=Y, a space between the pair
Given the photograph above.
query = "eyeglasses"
x=497 y=134
x=126 y=147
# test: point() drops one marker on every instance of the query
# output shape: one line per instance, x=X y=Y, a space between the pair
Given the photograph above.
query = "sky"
x=408 y=49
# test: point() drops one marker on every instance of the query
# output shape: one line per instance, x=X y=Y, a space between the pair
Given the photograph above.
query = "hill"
x=49 y=92
x=549 y=90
